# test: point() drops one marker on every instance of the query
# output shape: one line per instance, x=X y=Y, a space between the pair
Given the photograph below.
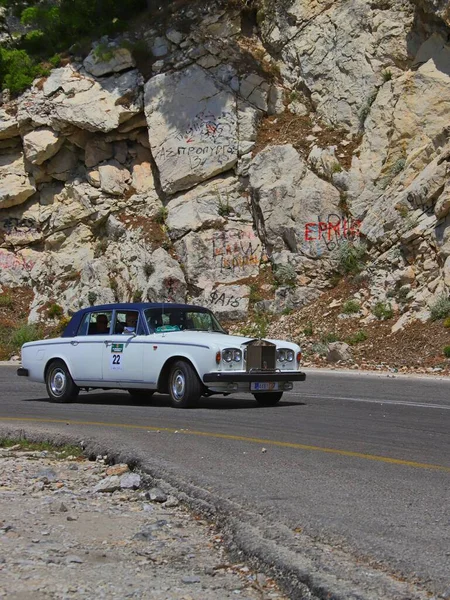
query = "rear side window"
x=96 y=323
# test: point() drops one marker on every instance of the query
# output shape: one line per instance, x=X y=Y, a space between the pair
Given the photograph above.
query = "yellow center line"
x=241 y=438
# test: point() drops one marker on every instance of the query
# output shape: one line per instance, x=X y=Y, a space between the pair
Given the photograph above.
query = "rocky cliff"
x=251 y=143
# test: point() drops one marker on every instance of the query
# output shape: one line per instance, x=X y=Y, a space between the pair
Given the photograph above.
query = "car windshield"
x=181 y=319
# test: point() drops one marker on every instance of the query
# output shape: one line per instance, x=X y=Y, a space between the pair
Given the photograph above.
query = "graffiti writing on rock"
x=19 y=228
x=237 y=250
x=326 y=234
x=10 y=261
x=220 y=299
x=210 y=128
x=208 y=137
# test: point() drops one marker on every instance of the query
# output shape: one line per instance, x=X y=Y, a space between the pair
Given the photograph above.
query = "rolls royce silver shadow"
x=144 y=348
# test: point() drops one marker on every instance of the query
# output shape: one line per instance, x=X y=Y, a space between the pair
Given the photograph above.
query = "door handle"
x=74 y=343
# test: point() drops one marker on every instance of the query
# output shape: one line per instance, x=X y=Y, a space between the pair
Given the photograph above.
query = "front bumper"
x=21 y=372
x=254 y=376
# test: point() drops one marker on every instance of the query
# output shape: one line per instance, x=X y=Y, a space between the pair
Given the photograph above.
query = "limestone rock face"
x=294 y=202
x=71 y=96
x=116 y=190
x=439 y=8
x=114 y=178
x=8 y=125
x=341 y=50
x=226 y=301
x=41 y=144
x=192 y=125
x=167 y=282
x=111 y=60
x=224 y=256
x=16 y=185
x=207 y=206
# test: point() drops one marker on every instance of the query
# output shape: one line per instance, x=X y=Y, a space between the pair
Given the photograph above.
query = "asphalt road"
x=348 y=477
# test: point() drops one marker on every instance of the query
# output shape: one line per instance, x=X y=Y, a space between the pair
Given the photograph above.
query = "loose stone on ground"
x=62 y=535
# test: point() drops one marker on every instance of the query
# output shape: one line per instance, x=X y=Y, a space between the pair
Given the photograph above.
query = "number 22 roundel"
x=116 y=357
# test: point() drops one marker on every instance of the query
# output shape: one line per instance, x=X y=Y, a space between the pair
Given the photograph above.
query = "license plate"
x=265 y=386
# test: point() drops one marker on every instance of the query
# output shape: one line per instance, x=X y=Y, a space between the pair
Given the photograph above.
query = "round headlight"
x=290 y=355
x=237 y=356
x=281 y=355
x=227 y=355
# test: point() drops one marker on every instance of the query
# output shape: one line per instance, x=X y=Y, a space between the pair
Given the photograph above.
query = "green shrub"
x=149 y=269
x=308 y=330
x=258 y=325
x=6 y=301
x=223 y=206
x=350 y=307
x=356 y=338
x=137 y=296
x=285 y=275
x=329 y=338
x=161 y=215
x=447 y=322
x=55 y=60
x=92 y=297
x=350 y=257
x=103 y=52
x=255 y=293
x=440 y=309
x=56 y=26
x=319 y=348
x=25 y=333
x=447 y=351
x=17 y=70
x=55 y=310
x=383 y=311
x=387 y=75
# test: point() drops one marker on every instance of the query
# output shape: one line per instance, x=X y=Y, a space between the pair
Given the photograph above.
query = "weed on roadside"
x=356 y=338
x=382 y=311
x=440 y=309
x=22 y=445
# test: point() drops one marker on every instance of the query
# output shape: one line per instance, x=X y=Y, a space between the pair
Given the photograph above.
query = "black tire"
x=59 y=382
x=268 y=398
x=185 y=387
x=141 y=395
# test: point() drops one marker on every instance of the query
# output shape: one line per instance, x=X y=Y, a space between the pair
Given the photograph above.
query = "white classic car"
x=170 y=348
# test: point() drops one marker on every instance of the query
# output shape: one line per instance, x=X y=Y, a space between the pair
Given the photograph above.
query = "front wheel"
x=268 y=398
x=184 y=385
x=59 y=382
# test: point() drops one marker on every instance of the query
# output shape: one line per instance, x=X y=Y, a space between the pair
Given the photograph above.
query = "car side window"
x=127 y=321
x=95 y=323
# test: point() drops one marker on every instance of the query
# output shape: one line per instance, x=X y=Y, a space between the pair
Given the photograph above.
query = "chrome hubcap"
x=58 y=382
x=178 y=385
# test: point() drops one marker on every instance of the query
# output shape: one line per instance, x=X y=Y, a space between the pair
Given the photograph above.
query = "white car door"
x=123 y=353
x=85 y=350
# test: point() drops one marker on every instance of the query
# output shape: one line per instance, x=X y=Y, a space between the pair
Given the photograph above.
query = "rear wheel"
x=141 y=395
x=268 y=398
x=184 y=385
x=59 y=382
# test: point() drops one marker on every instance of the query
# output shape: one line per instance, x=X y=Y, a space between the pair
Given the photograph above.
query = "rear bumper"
x=239 y=377
x=21 y=372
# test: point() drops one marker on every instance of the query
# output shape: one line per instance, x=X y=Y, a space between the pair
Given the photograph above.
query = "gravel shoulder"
x=74 y=528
